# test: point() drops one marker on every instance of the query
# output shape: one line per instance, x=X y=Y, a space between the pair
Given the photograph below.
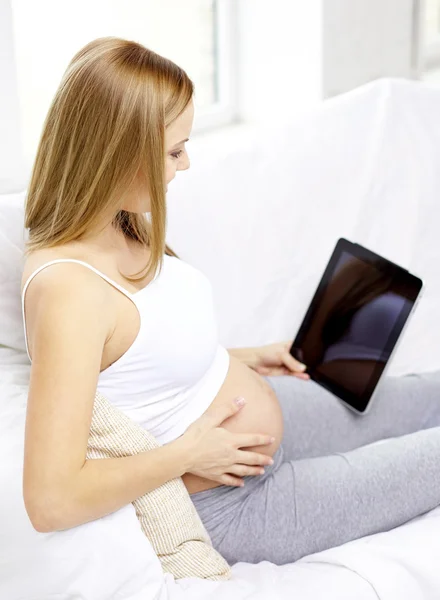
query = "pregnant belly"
x=261 y=414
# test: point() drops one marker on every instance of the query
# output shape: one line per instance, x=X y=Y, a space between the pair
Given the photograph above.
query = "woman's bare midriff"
x=261 y=414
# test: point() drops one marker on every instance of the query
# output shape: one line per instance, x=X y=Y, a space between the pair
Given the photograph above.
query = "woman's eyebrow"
x=182 y=142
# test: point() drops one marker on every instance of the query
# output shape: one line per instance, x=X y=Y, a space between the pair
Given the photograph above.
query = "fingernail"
x=302 y=367
x=240 y=401
x=261 y=471
x=272 y=439
x=271 y=462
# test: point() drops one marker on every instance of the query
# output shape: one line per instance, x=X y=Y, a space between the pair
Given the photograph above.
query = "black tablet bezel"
x=413 y=286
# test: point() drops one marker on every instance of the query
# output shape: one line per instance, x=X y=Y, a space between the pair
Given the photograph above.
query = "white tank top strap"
x=67 y=260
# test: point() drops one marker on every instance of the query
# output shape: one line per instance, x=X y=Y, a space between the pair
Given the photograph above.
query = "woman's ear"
x=137 y=198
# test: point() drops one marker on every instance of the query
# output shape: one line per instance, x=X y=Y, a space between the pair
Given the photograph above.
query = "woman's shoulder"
x=54 y=294
x=58 y=271
x=37 y=258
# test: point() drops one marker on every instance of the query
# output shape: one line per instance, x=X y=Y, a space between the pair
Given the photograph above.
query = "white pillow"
x=12 y=242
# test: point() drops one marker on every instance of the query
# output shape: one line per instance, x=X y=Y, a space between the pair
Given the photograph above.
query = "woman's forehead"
x=179 y=130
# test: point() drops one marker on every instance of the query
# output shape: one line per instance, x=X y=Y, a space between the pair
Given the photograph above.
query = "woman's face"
x=176 y=159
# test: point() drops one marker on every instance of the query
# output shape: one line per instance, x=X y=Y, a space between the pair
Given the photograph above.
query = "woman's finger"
x=291 y=363
x=264 y=370
x=253 y=459
x=304 y=376
x=251 y=440
x=231 y=480
x=246 y=471
x=276 y=371
x=272 y=371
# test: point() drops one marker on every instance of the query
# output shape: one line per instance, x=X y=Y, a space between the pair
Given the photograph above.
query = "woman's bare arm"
x=69 y=318
x=248 y=356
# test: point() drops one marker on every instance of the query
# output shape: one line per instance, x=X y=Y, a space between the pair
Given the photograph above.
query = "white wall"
x=364 y=40
x=295 y=53
x=280 y=57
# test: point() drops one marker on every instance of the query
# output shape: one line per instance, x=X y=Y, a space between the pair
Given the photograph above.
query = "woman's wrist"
x=248 y=356
x=184 y=454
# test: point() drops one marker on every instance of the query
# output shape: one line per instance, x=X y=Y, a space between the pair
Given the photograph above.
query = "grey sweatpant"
x=332 y=480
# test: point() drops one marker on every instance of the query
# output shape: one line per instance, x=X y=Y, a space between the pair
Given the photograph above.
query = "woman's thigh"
x=316 y=423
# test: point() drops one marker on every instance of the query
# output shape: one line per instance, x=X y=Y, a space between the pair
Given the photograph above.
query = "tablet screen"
x=354 y=322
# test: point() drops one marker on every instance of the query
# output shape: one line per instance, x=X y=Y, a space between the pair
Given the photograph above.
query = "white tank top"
x=176 y=366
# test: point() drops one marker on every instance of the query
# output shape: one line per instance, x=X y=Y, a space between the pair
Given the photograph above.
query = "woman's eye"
x=177 y=154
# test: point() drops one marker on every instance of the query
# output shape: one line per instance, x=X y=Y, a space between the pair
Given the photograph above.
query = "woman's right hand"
x=216 y=454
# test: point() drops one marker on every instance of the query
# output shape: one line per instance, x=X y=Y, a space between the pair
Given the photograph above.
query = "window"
x=196 y=34
x=431 y=40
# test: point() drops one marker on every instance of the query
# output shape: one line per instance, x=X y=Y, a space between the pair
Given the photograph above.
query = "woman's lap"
x=324 y=491
x=317 y=423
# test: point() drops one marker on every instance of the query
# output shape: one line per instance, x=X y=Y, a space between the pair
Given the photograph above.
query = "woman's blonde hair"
x=105 y=126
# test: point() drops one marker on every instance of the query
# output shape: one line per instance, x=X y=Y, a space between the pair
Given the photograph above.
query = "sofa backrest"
x=261 y=209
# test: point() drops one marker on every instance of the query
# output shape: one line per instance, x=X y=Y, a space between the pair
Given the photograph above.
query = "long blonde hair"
x=106 y=124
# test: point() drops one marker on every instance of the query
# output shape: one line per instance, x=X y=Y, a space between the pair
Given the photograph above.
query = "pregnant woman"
x=106 y=304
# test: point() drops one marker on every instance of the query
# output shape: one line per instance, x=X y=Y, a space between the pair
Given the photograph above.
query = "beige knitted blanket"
x=167 y=515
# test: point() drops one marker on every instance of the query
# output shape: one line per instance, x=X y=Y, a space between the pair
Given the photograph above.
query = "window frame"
x=225 y=110
x=431 y=59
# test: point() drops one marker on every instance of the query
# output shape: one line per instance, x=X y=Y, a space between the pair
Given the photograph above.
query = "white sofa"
x=259 y=213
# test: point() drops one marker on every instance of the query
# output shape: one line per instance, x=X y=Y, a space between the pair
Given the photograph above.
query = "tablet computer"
x=354 y=322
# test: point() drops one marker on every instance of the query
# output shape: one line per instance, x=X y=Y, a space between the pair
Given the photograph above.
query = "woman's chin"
x=138 y=207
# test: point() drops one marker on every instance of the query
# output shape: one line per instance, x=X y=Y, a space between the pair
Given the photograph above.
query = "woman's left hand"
x=275 y=359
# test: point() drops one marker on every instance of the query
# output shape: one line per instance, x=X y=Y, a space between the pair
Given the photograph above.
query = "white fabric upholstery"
x=12 y=238
x=365 y=166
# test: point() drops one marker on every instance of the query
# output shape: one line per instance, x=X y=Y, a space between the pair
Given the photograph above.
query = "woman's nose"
x=184 y=164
